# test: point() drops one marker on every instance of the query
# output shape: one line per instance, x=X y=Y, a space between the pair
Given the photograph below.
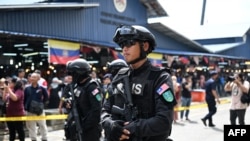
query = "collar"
x=142 y=68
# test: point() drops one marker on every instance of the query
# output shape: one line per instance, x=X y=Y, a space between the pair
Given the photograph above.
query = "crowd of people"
x=134 y=100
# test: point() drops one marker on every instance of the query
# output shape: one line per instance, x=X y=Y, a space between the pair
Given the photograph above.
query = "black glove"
x=113 y=129
x=131 y=127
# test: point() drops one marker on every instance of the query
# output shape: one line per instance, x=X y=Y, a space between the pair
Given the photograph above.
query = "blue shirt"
x=209 y=86
x=38 y=94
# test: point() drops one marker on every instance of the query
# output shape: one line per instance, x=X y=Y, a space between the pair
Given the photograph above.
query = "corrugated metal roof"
x=10 y=33
x=165 y=51
x=173 y=34
x=100 y=43
x=48 y=5
x=214 y=31
x=216 y=48
x=154 y=8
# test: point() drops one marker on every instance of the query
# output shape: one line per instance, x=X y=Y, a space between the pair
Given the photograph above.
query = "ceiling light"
x=11 y=61
x=9 y=54
x=43 y=53
x=28 y=61
x=20 y=45
x=28 y=49
x=30 y=54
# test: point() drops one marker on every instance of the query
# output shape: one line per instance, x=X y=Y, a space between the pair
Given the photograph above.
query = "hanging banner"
x=60 y=52
x=196 y=59
x=169 y=59
x=184 y=60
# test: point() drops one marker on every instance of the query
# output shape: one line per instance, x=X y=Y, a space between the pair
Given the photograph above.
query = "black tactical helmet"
x=136 y=32
x=79 y=69
x=116 y=65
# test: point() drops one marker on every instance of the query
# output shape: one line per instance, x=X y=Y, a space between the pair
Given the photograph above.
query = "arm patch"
x=168 y=96
x=165 y=92
x=96 y=92
x=162 y=88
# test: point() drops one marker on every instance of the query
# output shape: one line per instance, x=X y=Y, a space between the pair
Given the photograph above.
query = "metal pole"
x=203 y=11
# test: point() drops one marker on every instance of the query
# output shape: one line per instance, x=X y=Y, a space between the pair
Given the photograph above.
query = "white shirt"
x=236 y=95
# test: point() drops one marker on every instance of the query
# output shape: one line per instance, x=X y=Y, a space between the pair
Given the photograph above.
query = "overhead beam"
x=48 y=6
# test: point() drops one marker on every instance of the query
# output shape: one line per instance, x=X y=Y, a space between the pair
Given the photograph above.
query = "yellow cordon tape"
x=196 y=106
x=64 y=116
x=26 y=118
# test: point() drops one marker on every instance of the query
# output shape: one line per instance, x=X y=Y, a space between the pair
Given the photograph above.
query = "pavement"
x=58 y=135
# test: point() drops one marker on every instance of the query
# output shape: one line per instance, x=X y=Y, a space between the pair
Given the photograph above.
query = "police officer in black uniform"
x=86 y=96
x=113 y=68
x=151 y=91
x=211 y=98
x=116 y=65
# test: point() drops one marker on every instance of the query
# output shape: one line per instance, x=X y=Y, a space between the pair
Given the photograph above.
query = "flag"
x=156 y=59
x=60 y=52
x=163 y=88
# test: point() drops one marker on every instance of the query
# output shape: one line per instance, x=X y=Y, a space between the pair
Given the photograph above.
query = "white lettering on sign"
x=237 y=132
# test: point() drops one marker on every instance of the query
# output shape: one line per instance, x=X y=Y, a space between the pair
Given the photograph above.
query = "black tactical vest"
x=142 y=86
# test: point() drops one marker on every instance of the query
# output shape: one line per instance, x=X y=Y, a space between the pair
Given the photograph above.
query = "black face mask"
x=77 y=78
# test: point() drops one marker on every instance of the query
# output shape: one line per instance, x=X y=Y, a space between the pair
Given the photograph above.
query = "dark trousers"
x=240 y=113
x=185 y=102
x=16 y=126
x=211 y=111
x=92 y=134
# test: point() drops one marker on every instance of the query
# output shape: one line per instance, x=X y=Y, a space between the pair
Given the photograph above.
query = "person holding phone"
x=237 y=86
x=13 y=95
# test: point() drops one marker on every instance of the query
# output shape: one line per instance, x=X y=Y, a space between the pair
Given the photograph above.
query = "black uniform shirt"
x=153 y=97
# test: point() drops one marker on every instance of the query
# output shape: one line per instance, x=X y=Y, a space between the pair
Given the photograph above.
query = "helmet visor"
x=127 y=43
x=125 y=30
x=124 y=33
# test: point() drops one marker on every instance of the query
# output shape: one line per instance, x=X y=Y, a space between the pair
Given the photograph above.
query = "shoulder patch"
x=98 y=97
x=168 y=96
x=95 y=91
x=94 y=81
x=162 y=88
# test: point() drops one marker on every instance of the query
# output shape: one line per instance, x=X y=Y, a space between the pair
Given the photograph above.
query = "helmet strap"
x=77 y=78
x=143 y=54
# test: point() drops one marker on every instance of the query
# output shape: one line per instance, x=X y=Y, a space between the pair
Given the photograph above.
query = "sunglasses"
x=127 y=43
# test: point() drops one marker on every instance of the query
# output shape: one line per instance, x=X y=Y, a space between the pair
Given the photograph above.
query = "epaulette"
x=93 y=81
x=167 y=69
x=123 y=71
